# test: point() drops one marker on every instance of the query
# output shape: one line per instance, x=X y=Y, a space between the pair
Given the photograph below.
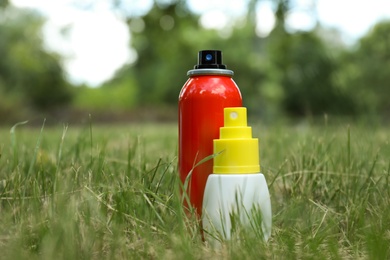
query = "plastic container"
x=236 y=194
x=209 y=89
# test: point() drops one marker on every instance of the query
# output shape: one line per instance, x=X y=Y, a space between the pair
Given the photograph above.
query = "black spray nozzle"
x=210 y=59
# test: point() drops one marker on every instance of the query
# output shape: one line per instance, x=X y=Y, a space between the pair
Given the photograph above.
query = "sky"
x=95 y=41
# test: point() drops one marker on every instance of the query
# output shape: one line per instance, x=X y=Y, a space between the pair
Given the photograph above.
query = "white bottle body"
x=238 y=195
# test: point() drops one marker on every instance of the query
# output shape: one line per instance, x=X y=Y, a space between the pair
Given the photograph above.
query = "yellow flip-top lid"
x=238 y=151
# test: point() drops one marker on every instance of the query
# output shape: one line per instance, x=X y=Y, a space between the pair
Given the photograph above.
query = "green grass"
x=111 y=192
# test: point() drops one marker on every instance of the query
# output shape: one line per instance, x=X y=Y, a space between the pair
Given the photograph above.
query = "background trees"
x=298 y=73
x=365 y=71
x=165 y=40
x=30 y=76
x=290 y=73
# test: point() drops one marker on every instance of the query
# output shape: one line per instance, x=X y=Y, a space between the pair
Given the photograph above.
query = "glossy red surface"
x=201 y=103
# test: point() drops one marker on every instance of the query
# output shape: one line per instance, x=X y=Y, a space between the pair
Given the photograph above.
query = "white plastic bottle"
x=236 y=192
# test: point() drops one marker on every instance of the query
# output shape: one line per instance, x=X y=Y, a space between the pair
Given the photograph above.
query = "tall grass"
x=111 y=192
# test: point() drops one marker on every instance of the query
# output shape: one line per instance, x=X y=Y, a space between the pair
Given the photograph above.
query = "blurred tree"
x=365 y=71
x=118 y=93
x=245 y=55
x=304 y=69
x=289 y=70
x=26 y=68
x=3 y=3
x=165 y=40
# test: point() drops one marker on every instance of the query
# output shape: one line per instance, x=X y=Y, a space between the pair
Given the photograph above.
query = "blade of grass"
x=277 y=174
x=152 y=206
x=14 y=144
x=162 y=176
x=37 y=146
x=91 y=140
x=59 y=156
x=154 y=173
x=207 y=158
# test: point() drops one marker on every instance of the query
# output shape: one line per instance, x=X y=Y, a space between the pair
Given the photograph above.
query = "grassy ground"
x=111 y=192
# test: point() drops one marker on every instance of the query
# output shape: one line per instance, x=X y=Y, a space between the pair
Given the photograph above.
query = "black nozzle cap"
x=210 y=59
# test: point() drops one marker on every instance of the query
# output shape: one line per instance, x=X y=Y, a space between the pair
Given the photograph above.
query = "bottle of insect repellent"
x=209 y=89
x=236 y=194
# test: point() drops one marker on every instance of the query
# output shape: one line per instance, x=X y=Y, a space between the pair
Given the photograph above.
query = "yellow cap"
x=239 y=152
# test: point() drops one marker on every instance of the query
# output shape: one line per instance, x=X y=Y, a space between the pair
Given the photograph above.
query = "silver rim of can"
x=221 y=72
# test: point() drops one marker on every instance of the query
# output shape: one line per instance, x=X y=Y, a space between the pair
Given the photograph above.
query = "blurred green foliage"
x=298 y=74
x=365 y=71
x=305 y=70
x=114 y=95
x=287 y=73
x=28 y=73
x=3 y=3
x=160 y=39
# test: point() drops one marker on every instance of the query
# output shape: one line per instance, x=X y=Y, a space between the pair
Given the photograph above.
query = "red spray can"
x=209 y=89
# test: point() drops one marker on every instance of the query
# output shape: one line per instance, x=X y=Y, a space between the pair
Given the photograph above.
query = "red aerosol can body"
x=209 y=89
